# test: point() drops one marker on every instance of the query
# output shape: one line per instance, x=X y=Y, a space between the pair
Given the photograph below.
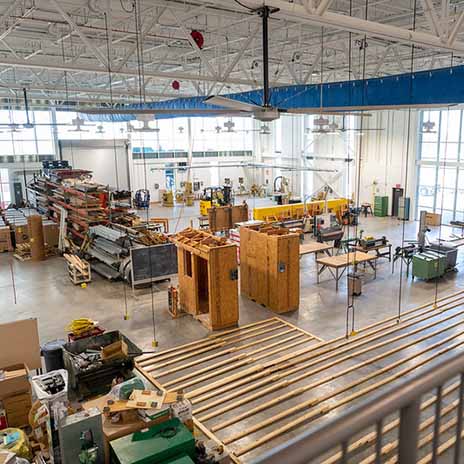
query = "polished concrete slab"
x=43 y=290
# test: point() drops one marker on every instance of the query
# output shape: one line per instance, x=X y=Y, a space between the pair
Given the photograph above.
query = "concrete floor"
x=43 y=290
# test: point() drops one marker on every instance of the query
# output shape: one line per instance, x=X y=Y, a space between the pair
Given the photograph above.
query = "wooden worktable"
x=315 y=247
x=377 y=249
x=342 y=262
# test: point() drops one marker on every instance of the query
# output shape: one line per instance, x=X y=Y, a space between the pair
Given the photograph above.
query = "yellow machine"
x=186 y=195
x=189 y=197
x=336 y=206
x=168 y=198
x=215 y=196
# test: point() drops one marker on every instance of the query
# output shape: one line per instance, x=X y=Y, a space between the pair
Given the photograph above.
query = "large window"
x=5 y=194
x=440 y=186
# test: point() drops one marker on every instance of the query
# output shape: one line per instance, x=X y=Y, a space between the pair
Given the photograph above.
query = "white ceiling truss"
x=108 y=50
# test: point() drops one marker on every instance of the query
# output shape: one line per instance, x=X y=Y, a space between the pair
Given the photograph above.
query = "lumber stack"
x=23 y=251
x=78 y=269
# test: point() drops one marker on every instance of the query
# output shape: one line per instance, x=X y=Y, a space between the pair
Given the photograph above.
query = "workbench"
x=377 y=249
x=315 y=248
x=340 y=262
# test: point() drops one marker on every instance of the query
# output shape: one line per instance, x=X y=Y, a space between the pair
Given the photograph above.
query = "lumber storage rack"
x=404 y=399
x=258 y=386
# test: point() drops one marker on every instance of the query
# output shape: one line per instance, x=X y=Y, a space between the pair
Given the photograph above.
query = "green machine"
x=380 y=206
x=163 y=443
x=428 y=265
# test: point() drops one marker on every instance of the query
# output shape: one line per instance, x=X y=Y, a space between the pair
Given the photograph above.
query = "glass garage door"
x=440 y=186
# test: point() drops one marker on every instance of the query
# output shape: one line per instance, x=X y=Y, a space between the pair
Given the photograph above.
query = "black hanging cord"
x=408 y=134
x=243 y=5
x=142 y=97
x=349 y=298
x=110 y=81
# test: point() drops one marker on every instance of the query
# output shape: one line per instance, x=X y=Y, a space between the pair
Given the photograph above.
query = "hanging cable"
x=442 y=189
x=142 y=100
x=406 y=177
x=115 y=154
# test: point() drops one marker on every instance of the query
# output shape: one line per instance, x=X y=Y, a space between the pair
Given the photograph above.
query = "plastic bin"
x=53 y=355
x=96 y=377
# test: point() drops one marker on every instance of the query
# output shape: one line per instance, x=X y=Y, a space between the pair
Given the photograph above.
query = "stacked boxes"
x=15 y=394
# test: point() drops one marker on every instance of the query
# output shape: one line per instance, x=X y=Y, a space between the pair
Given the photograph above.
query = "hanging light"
x=218 y=129
x=100 y=129
x=180 y=129
x=265 y=130
x=321 y=121
x=428 y=126
x=79 y=123
x=229 y=125
x=145 y=119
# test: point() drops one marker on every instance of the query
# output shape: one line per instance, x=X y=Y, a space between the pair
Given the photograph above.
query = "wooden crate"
x=270 y=267
x=5 y=239
x=225 y=217
x=208 y=278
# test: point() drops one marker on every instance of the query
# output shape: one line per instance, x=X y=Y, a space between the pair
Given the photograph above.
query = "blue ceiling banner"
x=438 y=87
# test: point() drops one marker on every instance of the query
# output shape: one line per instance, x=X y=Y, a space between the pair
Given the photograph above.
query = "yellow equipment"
x=336 y=206
x=81 y=326
x=168 y=198
x=213 y=196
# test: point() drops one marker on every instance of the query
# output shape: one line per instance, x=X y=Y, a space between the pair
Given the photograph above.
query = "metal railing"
x=405 y=400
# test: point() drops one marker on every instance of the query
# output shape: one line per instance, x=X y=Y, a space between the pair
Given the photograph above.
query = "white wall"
x=386 y=159
x=99 y=157
x=142 y=175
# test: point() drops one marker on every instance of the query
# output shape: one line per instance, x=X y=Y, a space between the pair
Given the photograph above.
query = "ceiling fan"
x=79 y=123
x=229 y=106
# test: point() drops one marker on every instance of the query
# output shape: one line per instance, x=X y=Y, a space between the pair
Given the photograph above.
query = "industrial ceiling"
x=121 y=51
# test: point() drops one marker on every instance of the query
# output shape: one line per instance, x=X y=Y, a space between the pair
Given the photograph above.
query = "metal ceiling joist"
x=124 y=72
x=298 y=13
x=82 y=36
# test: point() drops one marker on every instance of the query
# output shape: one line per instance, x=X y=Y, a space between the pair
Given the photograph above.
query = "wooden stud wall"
x=270 y=267
x=254 y=387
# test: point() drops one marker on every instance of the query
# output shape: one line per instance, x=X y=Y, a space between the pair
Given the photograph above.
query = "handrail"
x=309 y=445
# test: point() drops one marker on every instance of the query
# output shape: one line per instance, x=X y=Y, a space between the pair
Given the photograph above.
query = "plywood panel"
x=19 y=343
x=270 y=267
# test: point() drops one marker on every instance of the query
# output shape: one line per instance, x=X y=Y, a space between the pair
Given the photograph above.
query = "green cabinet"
x=428 y=265
x=381 y=206
x=161 y=443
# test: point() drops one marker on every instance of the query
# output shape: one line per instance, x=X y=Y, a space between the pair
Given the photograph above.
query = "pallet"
x=255 y=387
x=78 y=269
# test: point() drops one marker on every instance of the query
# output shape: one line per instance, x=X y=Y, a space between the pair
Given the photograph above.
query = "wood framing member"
x=250 y=398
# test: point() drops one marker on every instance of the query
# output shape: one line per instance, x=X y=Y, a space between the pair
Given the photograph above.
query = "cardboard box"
x=433 y=219
x=17 y=409
x=16 y=380
x=51 y=234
